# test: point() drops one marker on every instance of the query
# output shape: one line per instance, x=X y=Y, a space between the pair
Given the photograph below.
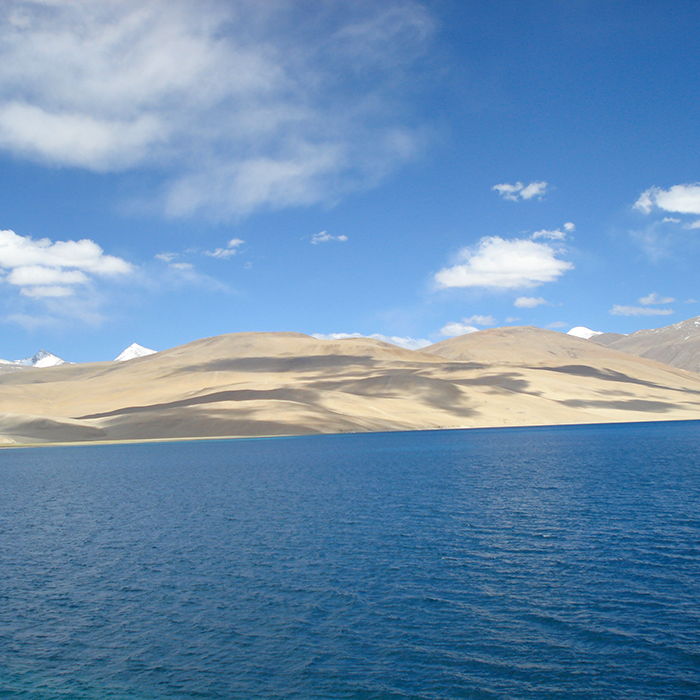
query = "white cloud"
x=230 y=249
x=693 y=225
x=79 y=140
x=325 y=237
x=454 y=329
x=679 y=199
x=44 y=269
x=467 y=325
x=22 y=251
x=513 y=319
x=638 y=311
x=504 y=264
x=519 y=191
x=404 y=342
x=36 y=275
x=554 y=235
x=557 y=324
x=654 y=298
x=51 y=291
x=528 y=302
x=670 y=220
x=245 y=104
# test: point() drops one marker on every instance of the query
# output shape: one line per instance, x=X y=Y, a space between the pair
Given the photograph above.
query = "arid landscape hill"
x=677 y=345
x=253 y=384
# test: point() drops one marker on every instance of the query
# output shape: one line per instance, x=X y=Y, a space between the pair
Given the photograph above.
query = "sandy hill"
x=248 y=384
x=677 y=345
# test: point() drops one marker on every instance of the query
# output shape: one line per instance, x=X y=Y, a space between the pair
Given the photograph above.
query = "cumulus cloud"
x=467 y=325
x=240 y=105
x=230 y=249
x=679 y=199
x=325 y=237
x=654 y=298
x=554 y=234
x=454 y=329
x=404 y=342
x=518 y=191
x=618 y=310
x=504 y=264
x=42 y=268
x=528 y=302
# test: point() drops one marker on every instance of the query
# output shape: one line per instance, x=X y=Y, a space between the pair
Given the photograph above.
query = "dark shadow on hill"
x=408 y=386
x=296 y=395
x=452 y=366
x=629 y=405
x=281 y=364
x=238 y=421
x=610 y=375
x=399 y=384
x=507 y=381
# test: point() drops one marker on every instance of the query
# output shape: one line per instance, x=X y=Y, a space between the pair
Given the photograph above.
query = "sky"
x=406 y=170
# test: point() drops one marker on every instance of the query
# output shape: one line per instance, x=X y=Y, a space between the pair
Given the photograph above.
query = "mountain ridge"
x=677 y=345
x=261 y=384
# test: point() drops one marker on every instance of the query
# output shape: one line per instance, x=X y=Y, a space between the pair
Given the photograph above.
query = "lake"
x=532 y=563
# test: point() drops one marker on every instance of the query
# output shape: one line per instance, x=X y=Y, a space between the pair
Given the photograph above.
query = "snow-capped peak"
x=41 y=359
x=133 y=351
x=583 y=332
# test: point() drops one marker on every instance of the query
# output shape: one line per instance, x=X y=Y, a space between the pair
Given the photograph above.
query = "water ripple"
x=544 y=563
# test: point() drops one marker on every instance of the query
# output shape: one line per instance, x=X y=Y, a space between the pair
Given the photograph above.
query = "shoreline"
x=222 y=438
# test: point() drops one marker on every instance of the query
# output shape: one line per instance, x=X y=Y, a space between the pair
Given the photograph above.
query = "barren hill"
x=249 y=384
x=677 y=345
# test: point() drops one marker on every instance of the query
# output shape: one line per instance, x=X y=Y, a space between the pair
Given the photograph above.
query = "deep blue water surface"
x=529 y=563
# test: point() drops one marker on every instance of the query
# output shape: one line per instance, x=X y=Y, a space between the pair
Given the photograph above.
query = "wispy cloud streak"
x=241 y=105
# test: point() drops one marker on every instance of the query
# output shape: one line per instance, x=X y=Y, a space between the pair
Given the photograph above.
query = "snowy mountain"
x=583 y=332
x=41 y=359
x=133 y=351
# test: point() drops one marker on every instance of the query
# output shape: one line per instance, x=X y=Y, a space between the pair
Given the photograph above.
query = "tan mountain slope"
x=677 y=345
x=288 y=383
x=520 y=345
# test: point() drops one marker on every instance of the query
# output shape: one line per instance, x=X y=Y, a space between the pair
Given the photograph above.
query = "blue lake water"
x=530 y=563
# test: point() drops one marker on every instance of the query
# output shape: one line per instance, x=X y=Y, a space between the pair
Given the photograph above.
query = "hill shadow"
x=611 y=376
x=280 y=364
x=297 y=395
x=628 y=405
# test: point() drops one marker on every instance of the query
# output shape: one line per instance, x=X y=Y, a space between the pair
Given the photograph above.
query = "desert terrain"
x=258 y=384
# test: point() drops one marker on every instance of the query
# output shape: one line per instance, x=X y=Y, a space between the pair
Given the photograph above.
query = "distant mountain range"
x=677 y=345
x=47 y=359
x=260 y=384
x=42 y=359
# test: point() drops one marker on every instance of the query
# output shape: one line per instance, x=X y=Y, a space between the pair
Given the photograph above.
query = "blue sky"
x=411 y=170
